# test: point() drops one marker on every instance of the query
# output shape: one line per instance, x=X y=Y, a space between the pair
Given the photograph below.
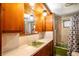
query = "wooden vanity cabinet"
x=12 y=17
x=46 y=50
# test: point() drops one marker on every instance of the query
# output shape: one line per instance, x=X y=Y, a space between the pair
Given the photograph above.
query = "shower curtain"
x=73 y=41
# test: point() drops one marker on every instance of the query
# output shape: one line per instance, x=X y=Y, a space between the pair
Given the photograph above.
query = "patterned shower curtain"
x=73 y=41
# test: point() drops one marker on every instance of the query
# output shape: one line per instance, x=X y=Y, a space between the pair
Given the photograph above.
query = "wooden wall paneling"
x=43 y=23
x=27 y=8
x=13 y=17
x=0 y=33
x=49 y=22
x=49 y=19
x=39 y=24
x=38 y=17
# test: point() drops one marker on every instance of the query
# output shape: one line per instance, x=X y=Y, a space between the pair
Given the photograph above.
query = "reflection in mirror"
x=29 y=23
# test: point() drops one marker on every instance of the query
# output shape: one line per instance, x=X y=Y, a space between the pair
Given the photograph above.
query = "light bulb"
x=31 y=17
x=44 y=13
x=34 y=26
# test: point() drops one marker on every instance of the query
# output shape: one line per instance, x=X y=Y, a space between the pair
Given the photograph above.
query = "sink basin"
x=37 y=43
x=33 y=41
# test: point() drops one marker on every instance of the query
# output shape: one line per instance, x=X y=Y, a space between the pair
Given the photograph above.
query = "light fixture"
x=44 y=13
x=34 y=26
x=26 y=15
x=31 y=17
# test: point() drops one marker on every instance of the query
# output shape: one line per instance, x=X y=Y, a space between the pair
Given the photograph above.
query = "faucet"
x=41 y=35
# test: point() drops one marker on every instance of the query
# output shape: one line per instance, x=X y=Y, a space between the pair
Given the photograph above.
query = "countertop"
x=27 y=50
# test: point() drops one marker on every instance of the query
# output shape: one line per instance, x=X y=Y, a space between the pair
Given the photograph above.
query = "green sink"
x=37 y=43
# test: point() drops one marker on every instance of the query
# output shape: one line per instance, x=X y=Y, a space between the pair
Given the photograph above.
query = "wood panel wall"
x=38 y=17
x=50 y=22
x=43 y=23
x=13 y=17
x=0 y=32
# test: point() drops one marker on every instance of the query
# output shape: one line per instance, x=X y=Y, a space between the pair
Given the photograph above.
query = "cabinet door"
x=49 y=22
x=13 y=16
x=46 y=50
x=38 y=24
x=45 y=23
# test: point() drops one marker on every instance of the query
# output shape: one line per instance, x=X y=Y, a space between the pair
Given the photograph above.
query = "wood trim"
x=47 y=8
x=28 y=34
x=0 y=33
x=11 y=31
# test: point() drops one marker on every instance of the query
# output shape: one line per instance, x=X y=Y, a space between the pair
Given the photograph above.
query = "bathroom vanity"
x=47 y=50
x=31 y=46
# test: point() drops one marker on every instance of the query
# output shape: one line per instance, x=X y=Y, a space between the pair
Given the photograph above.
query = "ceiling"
x=63 y=8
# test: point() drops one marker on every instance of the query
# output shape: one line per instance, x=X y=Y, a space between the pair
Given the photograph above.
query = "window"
x=66 y=23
